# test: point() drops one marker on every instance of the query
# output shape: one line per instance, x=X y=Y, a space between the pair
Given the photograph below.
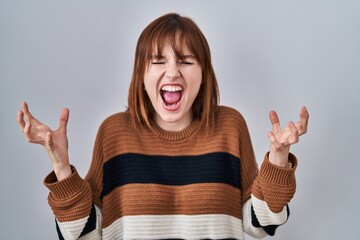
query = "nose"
x=172 y=70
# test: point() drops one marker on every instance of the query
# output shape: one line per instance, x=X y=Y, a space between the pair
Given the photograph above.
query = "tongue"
x=171 y=97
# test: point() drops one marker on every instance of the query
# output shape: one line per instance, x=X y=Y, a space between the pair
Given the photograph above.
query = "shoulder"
x=115 y=121
x=116 y=117
x=228 y=114
x=230 y=120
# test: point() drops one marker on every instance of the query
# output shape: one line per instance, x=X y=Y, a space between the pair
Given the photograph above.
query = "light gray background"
x=267 y=55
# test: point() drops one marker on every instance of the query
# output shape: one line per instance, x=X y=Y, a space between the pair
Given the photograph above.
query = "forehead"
x=174 y=46
x=167 y=49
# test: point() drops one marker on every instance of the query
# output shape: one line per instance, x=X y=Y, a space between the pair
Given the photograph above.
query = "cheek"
x=150 y=89
x=197 y=80
x=195 y=85
x=148 y=82
x=151 y=79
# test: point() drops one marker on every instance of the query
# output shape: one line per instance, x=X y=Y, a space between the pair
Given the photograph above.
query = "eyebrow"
x=156 y=57
x=189 y=56
x=183 y=56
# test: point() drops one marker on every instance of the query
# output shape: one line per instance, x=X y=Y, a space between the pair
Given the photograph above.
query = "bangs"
x=179 y=36
x=176 y=43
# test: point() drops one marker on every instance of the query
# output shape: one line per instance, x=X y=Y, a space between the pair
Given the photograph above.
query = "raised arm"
x=275 y=185
x=282 y=139
x=70 y=196
x=54 y=141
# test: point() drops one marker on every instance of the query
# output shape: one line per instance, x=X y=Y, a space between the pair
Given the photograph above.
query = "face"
x=172 y=86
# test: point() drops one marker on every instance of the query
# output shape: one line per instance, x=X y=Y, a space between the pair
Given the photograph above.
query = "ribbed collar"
x=178 y=135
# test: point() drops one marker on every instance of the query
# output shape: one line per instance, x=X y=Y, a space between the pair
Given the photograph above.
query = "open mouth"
x=171 y=95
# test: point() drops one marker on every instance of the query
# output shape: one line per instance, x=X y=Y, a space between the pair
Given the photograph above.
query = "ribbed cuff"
x=66 y=187
x=276 y=174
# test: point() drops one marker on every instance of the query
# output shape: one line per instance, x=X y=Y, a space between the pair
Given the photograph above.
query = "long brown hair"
x=178 y=31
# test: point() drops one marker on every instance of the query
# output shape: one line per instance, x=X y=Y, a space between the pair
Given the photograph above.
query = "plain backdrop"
x=267 y=55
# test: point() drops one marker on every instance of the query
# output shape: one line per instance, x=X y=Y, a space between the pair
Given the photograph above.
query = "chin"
x=173 y=118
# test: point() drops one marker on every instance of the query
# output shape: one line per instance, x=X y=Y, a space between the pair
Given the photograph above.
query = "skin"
x=167 y=70
x=282 y=139
x=55 y=142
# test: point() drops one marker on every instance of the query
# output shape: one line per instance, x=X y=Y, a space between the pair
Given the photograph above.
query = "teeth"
x=171 y=88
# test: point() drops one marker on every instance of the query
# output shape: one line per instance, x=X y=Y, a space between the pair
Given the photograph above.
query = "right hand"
x=55 y=142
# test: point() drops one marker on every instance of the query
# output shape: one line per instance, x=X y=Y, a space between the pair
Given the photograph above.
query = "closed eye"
x=186 y=63
x=158 y=62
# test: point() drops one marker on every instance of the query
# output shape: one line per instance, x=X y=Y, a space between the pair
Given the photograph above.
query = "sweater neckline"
x=176 y=135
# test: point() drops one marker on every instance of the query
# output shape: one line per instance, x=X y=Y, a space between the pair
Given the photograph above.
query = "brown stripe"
x=155 y=199
x=120 y=137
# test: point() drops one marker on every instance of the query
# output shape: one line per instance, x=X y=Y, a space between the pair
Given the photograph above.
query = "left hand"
x=282 y=139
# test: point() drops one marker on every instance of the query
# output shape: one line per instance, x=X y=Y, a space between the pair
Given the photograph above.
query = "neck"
x=175 y=126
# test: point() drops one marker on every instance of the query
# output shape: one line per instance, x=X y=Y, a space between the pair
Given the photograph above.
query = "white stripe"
x=215 y=226
x=265 y=216
x=248 y=227
x=95 y=234
x=71 y=230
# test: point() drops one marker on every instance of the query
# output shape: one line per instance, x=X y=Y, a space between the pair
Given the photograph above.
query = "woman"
x=175 y=164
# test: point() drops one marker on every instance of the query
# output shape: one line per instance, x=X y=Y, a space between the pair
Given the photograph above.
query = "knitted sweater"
x=154 y=184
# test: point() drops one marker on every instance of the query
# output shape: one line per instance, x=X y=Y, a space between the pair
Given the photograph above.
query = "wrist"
x=62 y=171
x=279 y=159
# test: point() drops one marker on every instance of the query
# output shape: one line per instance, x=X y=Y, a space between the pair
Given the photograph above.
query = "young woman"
x=175 y=165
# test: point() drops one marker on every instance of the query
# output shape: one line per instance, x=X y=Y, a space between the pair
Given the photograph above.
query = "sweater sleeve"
x=272 y=190
x=265 y=193
x=76 y=202
x=72 y=205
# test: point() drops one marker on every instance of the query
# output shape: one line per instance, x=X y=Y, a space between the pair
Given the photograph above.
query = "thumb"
x=64 y=117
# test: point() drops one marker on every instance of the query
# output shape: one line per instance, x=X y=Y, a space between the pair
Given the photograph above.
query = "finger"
x=294 y=133
x=20 y=120
x=272 y=138
x=64 y=117
x=26 y=111
x=274 y=141
x=274 y=119
x=304 y=120
x=27 y=131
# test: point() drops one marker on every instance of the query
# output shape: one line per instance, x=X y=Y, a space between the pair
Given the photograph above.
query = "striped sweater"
x=155 y=184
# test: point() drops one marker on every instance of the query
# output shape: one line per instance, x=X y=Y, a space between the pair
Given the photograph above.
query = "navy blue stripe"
x=171 y=170
x=91 y=222
x=89 y=226
x=269 y=229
